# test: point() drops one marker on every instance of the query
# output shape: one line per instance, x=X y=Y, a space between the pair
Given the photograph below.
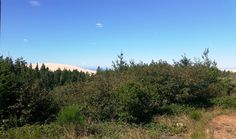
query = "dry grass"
x=172 y=127
x=196 y=129
x=199 y=127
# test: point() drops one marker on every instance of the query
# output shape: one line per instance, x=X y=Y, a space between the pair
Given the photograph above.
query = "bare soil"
x=222 y=127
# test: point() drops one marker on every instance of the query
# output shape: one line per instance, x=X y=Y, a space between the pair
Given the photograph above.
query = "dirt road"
x=222 y=127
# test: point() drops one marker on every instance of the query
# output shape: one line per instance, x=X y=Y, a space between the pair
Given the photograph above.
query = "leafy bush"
x=135 y=92
x=70 y=114
x=69 y=94
x=225 y=102
x=138 y=103
x=102 y=103
x=174 y=109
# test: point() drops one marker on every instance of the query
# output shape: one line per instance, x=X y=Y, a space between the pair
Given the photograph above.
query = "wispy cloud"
x=99 y=25
x=25 y=40
x=34 y=3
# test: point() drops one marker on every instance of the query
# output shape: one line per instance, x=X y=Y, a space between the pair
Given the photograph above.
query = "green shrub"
x=68 y=94
x=70 y=114
x=138 y=103
x=134 y=92
x=225 y=102
x=174 y=109
x=195 y=115
x=102 y=103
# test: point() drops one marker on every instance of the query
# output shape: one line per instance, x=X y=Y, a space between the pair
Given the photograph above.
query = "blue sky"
x=89 y=33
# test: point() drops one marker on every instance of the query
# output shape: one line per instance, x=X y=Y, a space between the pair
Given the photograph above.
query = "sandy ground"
x=54 y=66
x=222 y=127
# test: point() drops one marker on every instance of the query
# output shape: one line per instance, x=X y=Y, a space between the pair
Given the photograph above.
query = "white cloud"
x=25 y=40
x=99 y=25
x=34 y=3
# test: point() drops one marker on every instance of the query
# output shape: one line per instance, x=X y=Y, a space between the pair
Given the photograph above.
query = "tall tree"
x=120 y=64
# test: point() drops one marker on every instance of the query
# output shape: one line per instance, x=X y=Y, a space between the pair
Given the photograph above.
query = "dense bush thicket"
x=24 y=92
x=135 y=92
x=130 y=92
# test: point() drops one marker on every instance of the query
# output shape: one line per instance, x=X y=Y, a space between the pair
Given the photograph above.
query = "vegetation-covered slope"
x=129 y=96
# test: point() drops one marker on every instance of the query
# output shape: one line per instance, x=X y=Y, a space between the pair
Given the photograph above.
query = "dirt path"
x=222 y=127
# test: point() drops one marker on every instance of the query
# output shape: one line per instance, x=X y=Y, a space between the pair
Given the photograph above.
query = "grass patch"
x=199 y=126
x=195 y=115
x=188 y=124
x=33 y=132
